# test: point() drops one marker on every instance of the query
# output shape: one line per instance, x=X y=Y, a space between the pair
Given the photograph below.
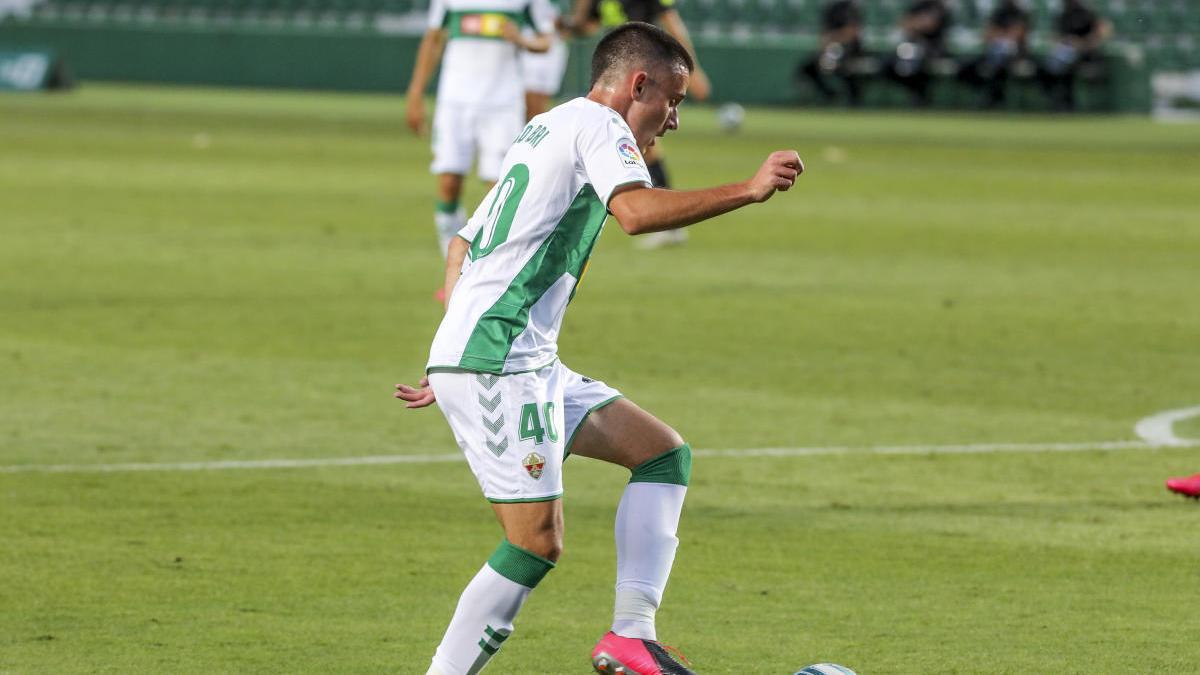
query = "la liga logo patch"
x=628 y=152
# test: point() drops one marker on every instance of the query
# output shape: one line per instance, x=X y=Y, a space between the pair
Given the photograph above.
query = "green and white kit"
x=515 y=430
x=531 y=239
x=480 y=96
x=543 y=73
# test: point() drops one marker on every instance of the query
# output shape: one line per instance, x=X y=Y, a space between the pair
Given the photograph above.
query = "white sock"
x=647 y=519
x=481 y=623
x=486 y=609
x=448 y=225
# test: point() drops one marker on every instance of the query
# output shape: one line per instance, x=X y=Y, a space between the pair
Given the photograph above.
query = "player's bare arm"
x=428 y=55
x=455 y=255
x=538 y=43
x=578 y=23
x=421 y=395
x=639 y=209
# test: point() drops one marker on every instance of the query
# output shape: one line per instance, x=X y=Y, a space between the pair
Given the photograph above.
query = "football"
x=730 y=116
x=825 y=669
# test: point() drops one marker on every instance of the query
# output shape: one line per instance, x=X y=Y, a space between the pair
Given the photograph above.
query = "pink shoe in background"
x=1188 y=487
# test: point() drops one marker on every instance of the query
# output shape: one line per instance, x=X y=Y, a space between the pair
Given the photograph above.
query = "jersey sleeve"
x=610 y=157
x=471 y=229
x=542 y=14
x=437 y=14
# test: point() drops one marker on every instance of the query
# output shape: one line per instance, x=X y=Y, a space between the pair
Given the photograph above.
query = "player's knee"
x=673 y=466
x=548 y=545
x=671 y=438
x=655 y=438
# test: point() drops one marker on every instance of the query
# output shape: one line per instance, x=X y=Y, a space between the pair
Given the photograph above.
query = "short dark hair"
x=638 y=44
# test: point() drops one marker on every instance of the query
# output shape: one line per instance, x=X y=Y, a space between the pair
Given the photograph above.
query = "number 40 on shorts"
x=538 y=424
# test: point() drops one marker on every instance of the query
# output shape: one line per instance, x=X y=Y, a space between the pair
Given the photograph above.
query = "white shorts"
x=460 y=132
x=517 y=429
x=543 y=73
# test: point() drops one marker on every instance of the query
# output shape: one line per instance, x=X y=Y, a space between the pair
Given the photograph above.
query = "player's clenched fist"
x=779 y=172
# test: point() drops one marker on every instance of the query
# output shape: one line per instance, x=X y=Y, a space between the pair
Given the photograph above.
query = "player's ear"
x=637 y=85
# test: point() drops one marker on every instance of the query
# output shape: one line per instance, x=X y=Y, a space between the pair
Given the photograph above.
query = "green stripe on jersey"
x=564 y=251
x=482 y=23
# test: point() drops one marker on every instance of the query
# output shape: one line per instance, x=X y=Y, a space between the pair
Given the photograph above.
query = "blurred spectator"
x=841 y=47
x=1004 y=43
x=1079 y=34
x=925 y=25
x=16 y=7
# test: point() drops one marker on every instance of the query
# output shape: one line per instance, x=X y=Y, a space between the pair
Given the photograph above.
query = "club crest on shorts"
x=534 y=463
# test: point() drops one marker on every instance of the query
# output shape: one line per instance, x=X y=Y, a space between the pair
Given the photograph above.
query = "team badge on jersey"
x=534 y=463
x=486 y=25
x=629 y=152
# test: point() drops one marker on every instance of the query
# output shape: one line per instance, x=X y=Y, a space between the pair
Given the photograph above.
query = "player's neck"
x=609 y=97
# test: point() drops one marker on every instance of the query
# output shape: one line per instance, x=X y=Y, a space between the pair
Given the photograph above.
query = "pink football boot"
x=1188 y=487
x=616 y=655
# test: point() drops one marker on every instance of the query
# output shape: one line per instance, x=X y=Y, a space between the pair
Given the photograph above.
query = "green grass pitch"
x=195 y=275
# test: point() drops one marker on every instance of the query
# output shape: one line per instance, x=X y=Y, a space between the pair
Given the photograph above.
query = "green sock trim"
x=518 y=565
x=445 y=207
x=673 y=466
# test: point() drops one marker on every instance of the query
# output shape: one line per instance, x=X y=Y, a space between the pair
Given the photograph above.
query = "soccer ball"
x=825 y=669
x=730 y=117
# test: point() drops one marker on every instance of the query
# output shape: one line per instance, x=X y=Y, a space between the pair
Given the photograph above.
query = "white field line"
x=1160 y=429
x=1157 y=431
x=978 y=448
x=968 y=449
x=231 y=464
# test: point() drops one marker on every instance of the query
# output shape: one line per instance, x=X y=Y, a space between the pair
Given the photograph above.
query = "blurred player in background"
x=543 y=73
x=1079 y=35
x=590 y=16
x=1005 y=41
x=841 y=45
x=514 y=408
x=925 y=25
x=480 y=104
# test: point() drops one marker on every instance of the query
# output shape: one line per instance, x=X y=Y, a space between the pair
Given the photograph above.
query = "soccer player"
x=590 y=16
x=925 y=25
x=1080 y=35
x=841 y=46
x=480 y=101
x=543 y=73
x=1005 y=41
x=513 y=407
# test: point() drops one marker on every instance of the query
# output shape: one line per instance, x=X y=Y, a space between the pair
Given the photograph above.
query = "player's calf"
x=483 y=620
x=647 y=520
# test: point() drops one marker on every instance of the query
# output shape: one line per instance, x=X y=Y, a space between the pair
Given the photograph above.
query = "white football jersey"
x=531 y=238
x=479 y=66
